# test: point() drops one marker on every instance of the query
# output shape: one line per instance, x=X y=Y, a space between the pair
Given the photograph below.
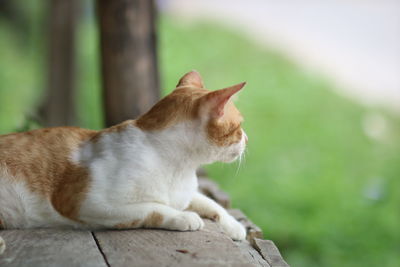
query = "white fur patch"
x=21 y=208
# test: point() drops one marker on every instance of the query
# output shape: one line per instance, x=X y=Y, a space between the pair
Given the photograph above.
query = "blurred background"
x=321 y=175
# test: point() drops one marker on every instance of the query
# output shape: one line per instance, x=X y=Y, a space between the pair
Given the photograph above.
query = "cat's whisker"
x=241 y=157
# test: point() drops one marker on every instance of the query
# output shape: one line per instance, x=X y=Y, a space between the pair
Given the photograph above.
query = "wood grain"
x=45 y=247
x=252 y=255
x=270 y=252
x=143 y=247
x=208 y=247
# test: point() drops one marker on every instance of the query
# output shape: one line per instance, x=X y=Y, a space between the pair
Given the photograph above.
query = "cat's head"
x=208 y=120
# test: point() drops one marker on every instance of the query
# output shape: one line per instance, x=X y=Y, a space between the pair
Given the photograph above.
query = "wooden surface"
x=45 y=247
x=128 y=58
x=142 y=247
x=161 y=248
x=269 y=252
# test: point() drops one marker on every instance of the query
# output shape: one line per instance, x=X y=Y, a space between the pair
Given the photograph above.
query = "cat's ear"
x=191 y=79
x=217 y=100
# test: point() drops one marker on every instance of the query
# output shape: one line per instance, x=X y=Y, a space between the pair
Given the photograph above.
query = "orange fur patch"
x=182 y=104
x=40 y=158
x=226 y=130
x=154 y=219
x=215 y=217
x=133 y=224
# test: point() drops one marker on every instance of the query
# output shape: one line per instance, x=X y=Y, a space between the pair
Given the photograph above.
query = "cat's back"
x=42 y=142
x=68 y=136
x=39 y=152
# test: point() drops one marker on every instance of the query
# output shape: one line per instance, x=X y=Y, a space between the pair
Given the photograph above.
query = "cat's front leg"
x=146 y=215
x=208 y=208
x=2 y=245
x=185 y=221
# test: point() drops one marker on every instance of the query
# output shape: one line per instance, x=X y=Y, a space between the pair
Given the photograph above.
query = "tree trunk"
x=58 y=107
x=128 y=56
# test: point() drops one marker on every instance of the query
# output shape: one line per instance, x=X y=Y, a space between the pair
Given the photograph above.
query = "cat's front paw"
x=185 y=221
x=234 y=229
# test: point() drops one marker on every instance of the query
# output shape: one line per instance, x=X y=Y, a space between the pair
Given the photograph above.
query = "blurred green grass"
x=309 y=169
x=18 y=80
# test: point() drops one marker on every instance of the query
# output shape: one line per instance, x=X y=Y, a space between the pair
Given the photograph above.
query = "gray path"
x=355 y=43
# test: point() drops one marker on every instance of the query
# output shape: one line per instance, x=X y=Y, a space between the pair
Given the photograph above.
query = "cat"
x=137 y=174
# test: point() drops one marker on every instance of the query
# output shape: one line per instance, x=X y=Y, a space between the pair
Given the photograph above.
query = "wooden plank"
x=208 y=247
x=269 y=252
x=253 y=231
x=252 y=255
x=47 y=247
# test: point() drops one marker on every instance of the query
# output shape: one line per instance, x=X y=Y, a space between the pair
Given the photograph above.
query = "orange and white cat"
x=140 y=173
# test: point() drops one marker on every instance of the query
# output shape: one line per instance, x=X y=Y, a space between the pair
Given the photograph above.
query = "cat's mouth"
x=233 y=156
x=236 y=155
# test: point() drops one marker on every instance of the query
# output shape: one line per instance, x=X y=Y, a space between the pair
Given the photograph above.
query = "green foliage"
x=20 y=76
x=309 y=168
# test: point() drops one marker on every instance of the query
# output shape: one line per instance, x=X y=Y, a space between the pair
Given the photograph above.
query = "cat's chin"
x=229 y=160
x=233 y=157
